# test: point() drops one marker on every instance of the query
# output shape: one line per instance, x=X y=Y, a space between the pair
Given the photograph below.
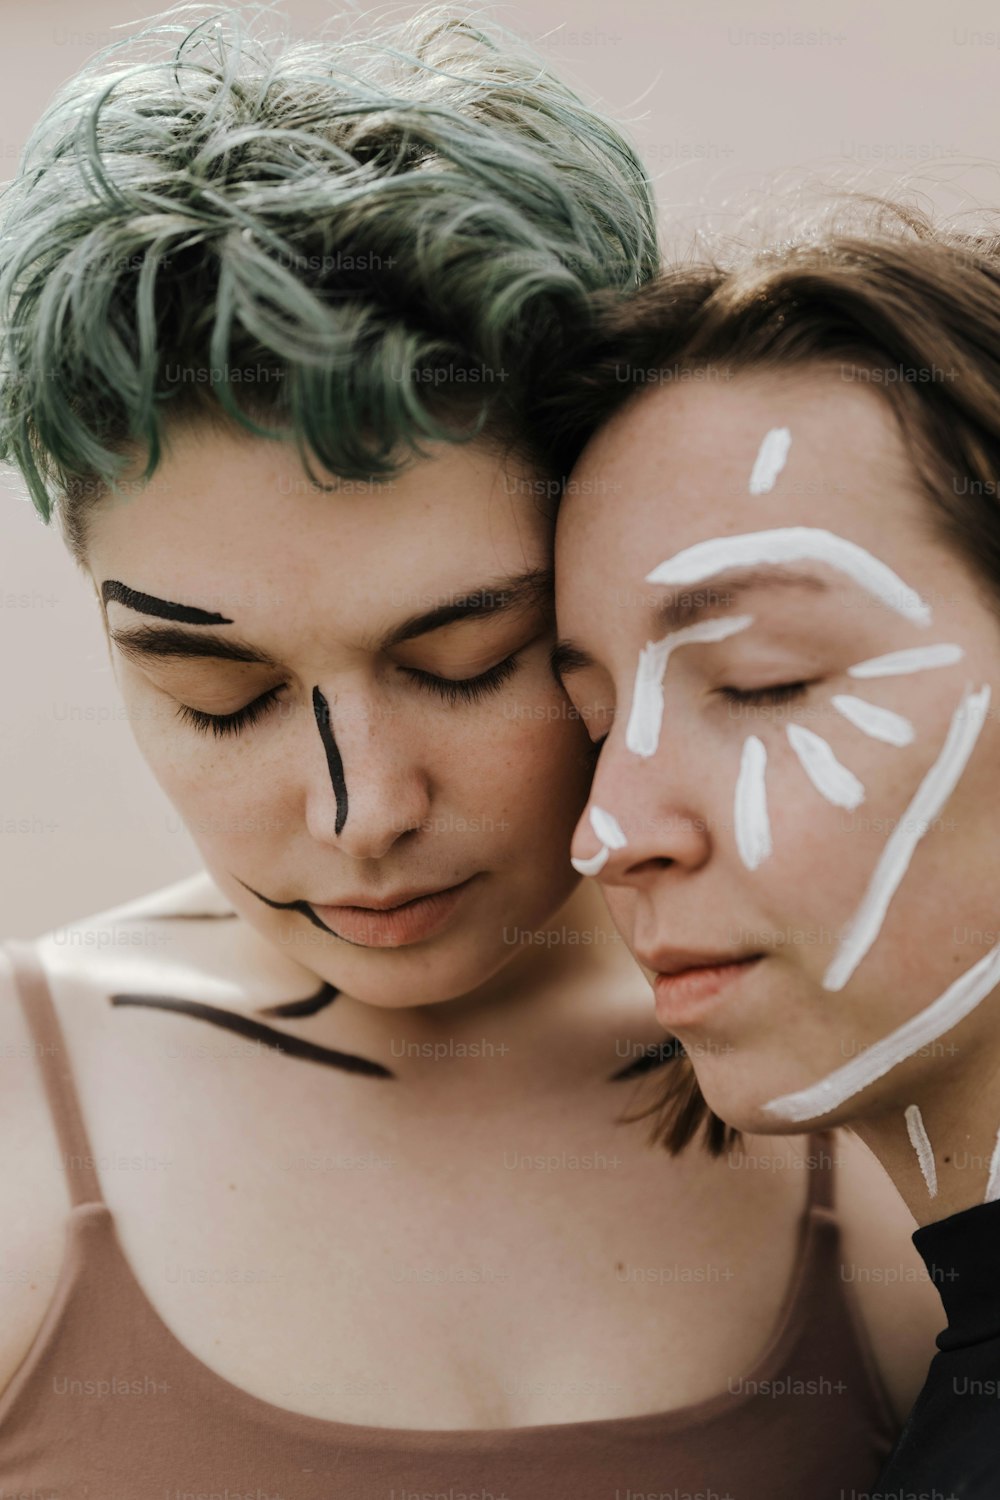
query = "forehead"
x=234 y=513
x=672 y=468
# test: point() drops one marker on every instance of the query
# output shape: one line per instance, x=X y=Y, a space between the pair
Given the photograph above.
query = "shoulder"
x=886 y=1278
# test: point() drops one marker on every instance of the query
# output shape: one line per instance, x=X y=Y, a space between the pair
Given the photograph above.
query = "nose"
x=366 y=789
x=640 y=818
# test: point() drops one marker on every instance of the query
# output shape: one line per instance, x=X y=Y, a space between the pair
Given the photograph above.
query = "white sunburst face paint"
x=914 y=659
x=790 y=544
x=880 y=723
x=928 y=800
x=832 y=780
x=771 y=458
x=642 y=733
x=609 y=831
x=750 y=819
x=993 y=1184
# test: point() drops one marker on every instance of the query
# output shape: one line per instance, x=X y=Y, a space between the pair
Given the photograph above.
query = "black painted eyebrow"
x=151 y=642
x=166 y=609
x=683 y=608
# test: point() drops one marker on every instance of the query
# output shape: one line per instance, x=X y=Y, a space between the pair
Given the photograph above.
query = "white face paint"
x=930 y=796
x=607 y=828
x=593 y=865
x=915 y=659
x=839 y=785
x=750 y=820
x=958 y=1001
x=920 y=1141
x=832 y=780
x=770 y=460
x=642 y=732
x=880 y=723
x=790 y=544
x=609 y=831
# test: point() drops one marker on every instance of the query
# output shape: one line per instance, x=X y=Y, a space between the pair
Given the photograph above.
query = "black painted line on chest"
x=292 y=1046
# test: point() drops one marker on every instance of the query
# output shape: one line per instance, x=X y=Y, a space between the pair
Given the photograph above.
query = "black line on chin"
x=304 y=909
x=292 y=1046
x=336 y=766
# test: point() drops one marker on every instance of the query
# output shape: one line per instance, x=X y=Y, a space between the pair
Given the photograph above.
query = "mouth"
x=393 y=922
x=685 y=994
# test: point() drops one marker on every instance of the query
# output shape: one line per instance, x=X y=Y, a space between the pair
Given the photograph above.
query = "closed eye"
x=466 y=689
x=234 y=723
x=780 y=692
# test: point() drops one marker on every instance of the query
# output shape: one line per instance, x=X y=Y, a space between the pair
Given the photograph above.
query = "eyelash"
x=452 y=690
x=781 y=692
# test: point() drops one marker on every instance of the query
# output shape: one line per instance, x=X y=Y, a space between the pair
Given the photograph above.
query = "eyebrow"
x=683 y=609
x=158 y=642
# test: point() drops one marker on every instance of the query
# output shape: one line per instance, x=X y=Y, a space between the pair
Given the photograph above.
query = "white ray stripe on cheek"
x=594 y=864
x=914 y=659
x=787 y=544
x=880 y=723
x=993 y=1185
x=642 y=732
x=958 y=1001
x=932 y=793
x=750 y=820
x=770 y=460
x=921 y=1143
x=832 y=780
x=607 y=828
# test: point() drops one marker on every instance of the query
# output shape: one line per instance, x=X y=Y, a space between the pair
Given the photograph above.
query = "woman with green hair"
x=348 y=1200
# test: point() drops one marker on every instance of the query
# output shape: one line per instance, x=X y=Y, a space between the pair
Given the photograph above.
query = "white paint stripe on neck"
x=932 y=793
x=959 y=1000
x=993 y=1185
x=750 y=820
x=607 y=828
x=770 y=460
x=642 y=732
x=831 y=779
x=880 y=723
x=788 y=544
x=914 y=659
x=921 y=1143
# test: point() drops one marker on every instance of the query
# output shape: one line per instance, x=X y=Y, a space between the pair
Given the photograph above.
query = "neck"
x=959 y=1111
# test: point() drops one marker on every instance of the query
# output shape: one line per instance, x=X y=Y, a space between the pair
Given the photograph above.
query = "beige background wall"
x=721 y=96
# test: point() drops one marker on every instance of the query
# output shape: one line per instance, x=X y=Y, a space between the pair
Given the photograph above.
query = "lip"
x=684 y=994
x=385 y=924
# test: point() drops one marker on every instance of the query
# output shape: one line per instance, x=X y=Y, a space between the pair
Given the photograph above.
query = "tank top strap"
x=33 y=989
x=820 y=1192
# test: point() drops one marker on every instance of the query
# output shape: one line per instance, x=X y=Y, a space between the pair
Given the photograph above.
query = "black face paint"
x=292 y=1046
x=149 y=604
x=322 y=711
x=306 y=911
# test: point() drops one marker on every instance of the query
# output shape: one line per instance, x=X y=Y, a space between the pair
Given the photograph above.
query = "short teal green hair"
x=372 y=242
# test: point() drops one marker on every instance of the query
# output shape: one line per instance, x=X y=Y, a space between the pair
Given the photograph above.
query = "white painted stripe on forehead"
x=770 y=460
x=880 y=723
x=832 y=780
x=959 y=1000
x=607 y=828
x=750 y=820
x=921 y=1143
x=932 y=793
x=594 y=864
x=915 y=659
x=642 y=732
x=789 y=544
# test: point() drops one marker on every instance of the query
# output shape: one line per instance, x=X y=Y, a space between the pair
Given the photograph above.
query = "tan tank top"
x=108 y=1404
